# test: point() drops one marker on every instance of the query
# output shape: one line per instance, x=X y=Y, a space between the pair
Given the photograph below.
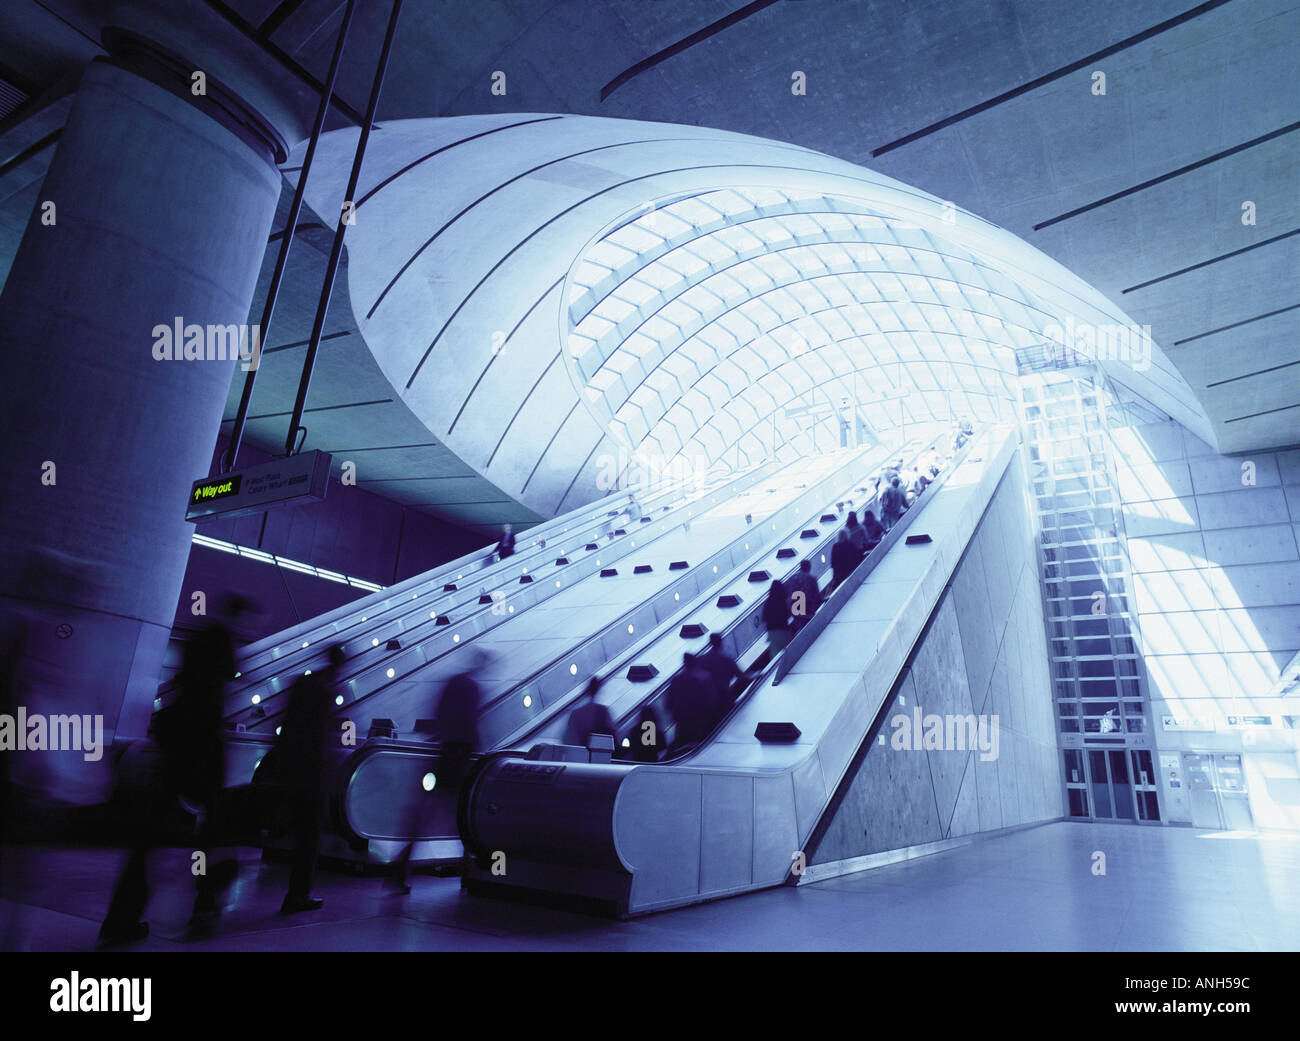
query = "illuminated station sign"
x=296 y=479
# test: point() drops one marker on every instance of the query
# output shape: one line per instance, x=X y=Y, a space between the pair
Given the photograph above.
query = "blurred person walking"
x=588 y=718
x=303 y=762
x=457 y=721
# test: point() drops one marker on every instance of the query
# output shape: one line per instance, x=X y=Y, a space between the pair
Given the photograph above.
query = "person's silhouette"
x=302 y=751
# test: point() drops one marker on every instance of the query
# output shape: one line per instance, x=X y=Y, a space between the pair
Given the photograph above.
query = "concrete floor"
x=1163 y=889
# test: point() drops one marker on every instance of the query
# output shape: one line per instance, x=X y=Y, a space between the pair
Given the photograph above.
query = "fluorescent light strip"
x=208 y=542
x=225 y=547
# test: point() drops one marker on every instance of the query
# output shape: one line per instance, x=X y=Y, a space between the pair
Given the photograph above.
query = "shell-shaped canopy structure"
x=561 y=297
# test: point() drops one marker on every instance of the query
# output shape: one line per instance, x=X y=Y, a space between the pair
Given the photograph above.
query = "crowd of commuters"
x=185 y=769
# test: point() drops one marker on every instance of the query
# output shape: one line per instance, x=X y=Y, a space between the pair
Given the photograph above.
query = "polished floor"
x=1038 y=889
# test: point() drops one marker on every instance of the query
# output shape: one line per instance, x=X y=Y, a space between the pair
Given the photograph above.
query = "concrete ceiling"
x=992 y=105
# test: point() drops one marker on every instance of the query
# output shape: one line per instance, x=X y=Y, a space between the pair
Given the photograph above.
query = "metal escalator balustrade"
x=372 y=817
x=751 y=649
x=623 y=642
x=317 y=633
x=535 y=694
x=408 y=624
x=725 y=817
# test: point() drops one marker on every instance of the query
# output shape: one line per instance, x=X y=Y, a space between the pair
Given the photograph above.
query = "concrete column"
x=161 y=208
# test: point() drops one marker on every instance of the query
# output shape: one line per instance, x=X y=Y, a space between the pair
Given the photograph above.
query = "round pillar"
x=155 y=211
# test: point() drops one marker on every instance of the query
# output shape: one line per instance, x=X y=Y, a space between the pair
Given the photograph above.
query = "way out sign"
x=296 y=479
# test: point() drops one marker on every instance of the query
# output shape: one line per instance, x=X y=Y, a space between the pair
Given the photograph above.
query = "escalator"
x=733 y=813
x=374 y=811
x=545 y=650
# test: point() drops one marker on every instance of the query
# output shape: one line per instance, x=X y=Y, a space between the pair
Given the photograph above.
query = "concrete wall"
x=1216 y=586
x=984 y=653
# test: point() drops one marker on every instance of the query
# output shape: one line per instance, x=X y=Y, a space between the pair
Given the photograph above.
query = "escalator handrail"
x=754 y=475
x=860 y=573
x=561 y=704
x=319 y=628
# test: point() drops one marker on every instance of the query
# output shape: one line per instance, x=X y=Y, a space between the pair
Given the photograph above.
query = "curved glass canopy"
x=742 y=323
x=547 y=293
